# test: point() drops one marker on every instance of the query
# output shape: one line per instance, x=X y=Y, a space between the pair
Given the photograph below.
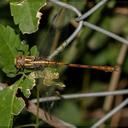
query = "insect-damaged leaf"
x=10 y=105
x=26 y=14
x=49 y=77
x=26 y=85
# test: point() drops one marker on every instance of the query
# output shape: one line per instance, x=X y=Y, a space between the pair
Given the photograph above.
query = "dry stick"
x=74 y=23
x=115 y=78
x=55 y=40
x=50 y=119
x=116 y=118
x=122 y=11
x=58 y=22
x=124 y=116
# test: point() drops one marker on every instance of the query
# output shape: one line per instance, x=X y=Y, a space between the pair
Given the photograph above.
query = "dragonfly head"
x=20 y=61
x=24 y=61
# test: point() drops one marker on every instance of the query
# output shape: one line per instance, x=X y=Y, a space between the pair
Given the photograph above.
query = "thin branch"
x=57 y=26
x=55 y=40
x=121 y=10
x=116 y=117
x=111 y=113
x=118 y=99
x=73 y=35
x=50 y=119
x=92 y=10
x=115 y=78
x=81 y=95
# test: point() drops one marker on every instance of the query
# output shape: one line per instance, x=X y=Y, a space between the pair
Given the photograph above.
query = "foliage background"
x=89 y=47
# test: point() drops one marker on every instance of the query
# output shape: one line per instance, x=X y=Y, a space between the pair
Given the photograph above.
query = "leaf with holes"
x=10 y=105
x=26 y=14
x=26 y=85
x=49 y=77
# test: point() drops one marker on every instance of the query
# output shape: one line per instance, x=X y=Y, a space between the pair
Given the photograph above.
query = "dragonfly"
x=51 y=76
x=32 y=62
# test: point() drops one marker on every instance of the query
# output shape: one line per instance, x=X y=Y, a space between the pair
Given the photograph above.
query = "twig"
x=116 y=117
x=121 y=10
x=118 y=99
x=115 y=78
x=82 y=95
x=73 y=35
x=55 y=40
x=57 y=25
x=50 y=119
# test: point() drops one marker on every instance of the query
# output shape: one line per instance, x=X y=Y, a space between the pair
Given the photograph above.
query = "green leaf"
x=18 y=105
x=49 y=77
x=10 y=70
x=26 y=85
x=10 y=47
x=26 y=14
x=24 y=48
x=9 y=43
x=10 y=105
x=34 y=51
